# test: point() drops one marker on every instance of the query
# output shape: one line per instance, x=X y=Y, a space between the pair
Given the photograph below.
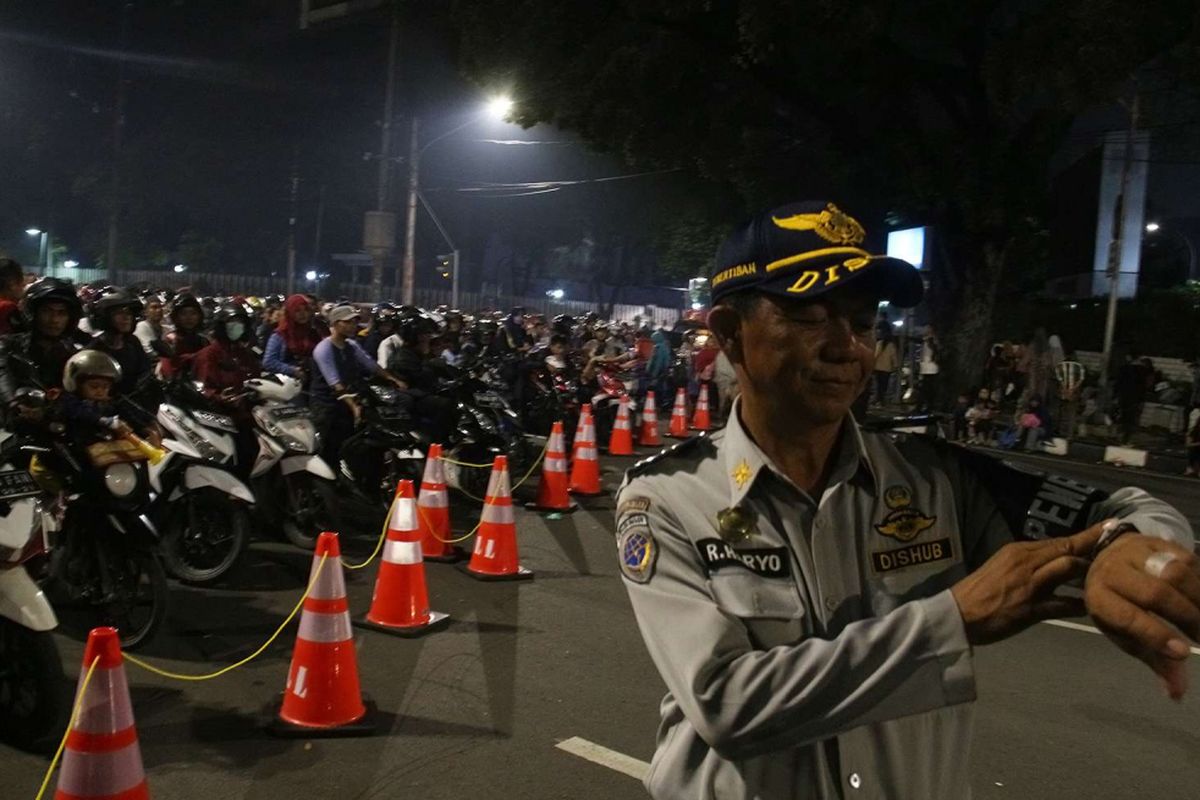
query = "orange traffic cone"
x=678 y=428
x=701 y=420
x=495 y=555
x=621 y=441
x=400 y=604
x=552 y=493
x=648 y=436
x=322 y=697
x=585 y=470
x=102 y=759
x=585 y=413
x=433 y=512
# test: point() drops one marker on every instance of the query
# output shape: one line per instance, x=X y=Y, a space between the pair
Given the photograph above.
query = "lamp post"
x=497 y=108
x=43 y=248
x=1154 y=227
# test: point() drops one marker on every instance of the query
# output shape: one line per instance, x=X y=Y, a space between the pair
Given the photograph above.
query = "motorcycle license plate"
x=489 y=400
x=16 y=484
x=214 y=420
x=290 y=412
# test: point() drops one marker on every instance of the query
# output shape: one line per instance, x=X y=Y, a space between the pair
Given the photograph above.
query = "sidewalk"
x=1151 y=449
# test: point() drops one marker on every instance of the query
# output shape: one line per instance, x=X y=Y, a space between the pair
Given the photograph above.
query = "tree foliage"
x=940 y=112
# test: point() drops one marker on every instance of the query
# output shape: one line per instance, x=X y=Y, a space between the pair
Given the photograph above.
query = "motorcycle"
x=201 y=507
x=34 y=701
x=291 y=482
x=103 y=556
x=612 y=383
x=384 y=449
x=551 y=397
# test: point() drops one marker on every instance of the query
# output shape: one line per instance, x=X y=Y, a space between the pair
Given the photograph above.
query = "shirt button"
x=831 y=603
x=855 y=781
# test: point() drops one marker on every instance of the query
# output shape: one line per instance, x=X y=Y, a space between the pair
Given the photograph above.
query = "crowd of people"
x=60 y=340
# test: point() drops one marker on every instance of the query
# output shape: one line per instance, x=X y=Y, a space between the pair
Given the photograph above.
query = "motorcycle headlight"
x=121 y=479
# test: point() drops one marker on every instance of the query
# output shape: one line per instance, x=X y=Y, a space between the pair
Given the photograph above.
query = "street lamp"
x=311 y=276
x=555 y=294
x=70 y=263
x=1152 y=227
x=498 y=108
x=43 y=247
x=180 y=268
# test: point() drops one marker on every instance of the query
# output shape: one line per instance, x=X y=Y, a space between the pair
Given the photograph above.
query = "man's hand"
x=1015 y=587
x=1148 y=615
x=355 y=408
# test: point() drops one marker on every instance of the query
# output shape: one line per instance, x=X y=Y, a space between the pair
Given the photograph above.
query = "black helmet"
x=383 y=312
x=412 y=326
x=563 y=324
x=487 y=327
x=231 y=312
x=184 y=300
x=52 y=290
x=110 y=300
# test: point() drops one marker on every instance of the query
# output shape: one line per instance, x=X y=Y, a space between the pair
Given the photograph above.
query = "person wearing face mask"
x=113 y=315
x=228 y=362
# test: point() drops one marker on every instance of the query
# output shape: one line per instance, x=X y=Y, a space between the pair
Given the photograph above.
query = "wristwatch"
x=1110 y=536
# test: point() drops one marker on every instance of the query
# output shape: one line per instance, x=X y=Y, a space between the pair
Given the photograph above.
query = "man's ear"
x=726 y=323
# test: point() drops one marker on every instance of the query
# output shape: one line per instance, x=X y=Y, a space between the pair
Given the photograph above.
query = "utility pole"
x=292 y=212
x=379 y=229
x=410 y=227
x=1114 y=250
x=114 y=203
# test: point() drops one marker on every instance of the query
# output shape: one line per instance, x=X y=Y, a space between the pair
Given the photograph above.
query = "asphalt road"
x=478 y=709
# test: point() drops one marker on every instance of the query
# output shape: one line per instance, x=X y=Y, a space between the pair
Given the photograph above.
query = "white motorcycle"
x=202 y=509
x=34 y=697
x=292 y=482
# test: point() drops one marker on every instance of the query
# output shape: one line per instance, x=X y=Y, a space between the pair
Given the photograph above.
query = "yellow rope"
x=70 y=724
x=247 y=659
x=378 y=545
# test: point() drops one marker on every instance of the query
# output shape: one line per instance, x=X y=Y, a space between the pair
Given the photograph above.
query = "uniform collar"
x=744 y=461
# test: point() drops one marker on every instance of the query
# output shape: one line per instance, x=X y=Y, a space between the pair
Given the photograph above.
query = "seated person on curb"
x=812 y=593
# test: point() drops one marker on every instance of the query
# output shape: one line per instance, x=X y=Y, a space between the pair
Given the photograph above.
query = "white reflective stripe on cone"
x=329 y=585
x=437 y=499
x=556 y=464
x=491 y=488
x=402 y=552
x=325 y=628
x=502 y=486
x=404 y=515
x=586 y=453
x=96 y=713
x=101 y=774
x=502 y=515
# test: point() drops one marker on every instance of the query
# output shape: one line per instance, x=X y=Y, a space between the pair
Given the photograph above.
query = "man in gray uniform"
x=811 y=592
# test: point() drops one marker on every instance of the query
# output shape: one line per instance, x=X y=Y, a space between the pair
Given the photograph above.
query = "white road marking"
x=1076 y=626
x=598 y=754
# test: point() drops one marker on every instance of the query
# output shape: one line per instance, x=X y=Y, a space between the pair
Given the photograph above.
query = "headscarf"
x=299 y=339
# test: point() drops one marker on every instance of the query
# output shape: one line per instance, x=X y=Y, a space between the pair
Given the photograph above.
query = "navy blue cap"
x=804 y=250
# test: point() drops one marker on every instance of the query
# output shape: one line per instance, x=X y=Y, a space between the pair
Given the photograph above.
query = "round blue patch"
x=638 y=552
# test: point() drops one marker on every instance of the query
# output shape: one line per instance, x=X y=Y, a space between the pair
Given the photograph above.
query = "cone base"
x=679 y=436
x=522 y=574
x=364 y=726
x=437 y=621
x=570 y=509
x=458 y=555
x=619 y=455
x=578 y=493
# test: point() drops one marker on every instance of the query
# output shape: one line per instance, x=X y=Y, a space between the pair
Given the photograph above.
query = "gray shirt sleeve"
x=745 y=702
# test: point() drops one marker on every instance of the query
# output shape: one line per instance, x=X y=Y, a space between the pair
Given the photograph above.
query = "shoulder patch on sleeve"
x=636 y=548
x=672 y=458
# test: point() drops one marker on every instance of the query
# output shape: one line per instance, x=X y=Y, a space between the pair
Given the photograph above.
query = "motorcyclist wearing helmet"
x=36 y=357
x=415 y=363
x=515 y=338
x=229 y=360
x=454 y=322
x=383 y=325
x=151 y=331
x=114 y=313
x=186 y=339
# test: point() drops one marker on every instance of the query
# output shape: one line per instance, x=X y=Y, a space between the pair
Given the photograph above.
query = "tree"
x=939 y=112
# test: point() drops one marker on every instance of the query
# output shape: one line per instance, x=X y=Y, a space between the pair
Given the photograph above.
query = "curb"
x=1114 y=455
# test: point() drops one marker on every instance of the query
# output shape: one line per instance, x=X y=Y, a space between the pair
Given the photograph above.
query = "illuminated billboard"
x=908 y=244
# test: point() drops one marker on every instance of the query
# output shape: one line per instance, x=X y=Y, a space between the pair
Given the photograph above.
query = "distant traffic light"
x=445 y=264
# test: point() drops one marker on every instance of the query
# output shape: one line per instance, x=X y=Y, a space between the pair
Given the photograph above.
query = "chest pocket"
x=770 y=608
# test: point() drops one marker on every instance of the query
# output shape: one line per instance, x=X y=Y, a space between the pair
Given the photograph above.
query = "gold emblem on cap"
x=741 y=473
x=832 y=225
x=737 y=524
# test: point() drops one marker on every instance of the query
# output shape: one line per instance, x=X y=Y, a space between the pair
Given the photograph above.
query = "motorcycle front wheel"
x=205 y=534
x=311 y=508
x=136 y=604
x=34 y=696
